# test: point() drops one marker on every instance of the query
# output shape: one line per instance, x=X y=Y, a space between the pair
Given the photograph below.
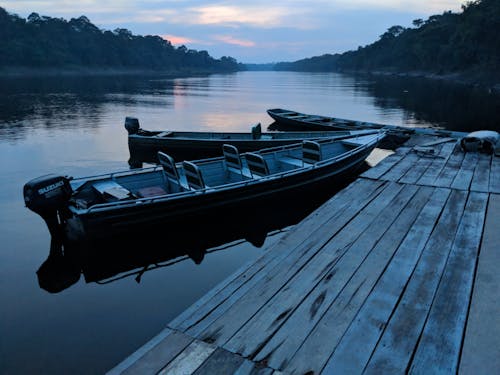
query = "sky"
x=252 y=31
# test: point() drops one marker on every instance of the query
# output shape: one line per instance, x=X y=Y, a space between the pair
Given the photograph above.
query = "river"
x=74 y=126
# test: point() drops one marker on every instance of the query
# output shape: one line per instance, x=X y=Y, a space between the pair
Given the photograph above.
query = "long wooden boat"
x=181 y=145
x=229 y=186
x=295 y=121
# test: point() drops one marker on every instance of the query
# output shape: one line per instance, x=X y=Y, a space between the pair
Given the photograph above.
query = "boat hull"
x=229 y=205
x=144 y=149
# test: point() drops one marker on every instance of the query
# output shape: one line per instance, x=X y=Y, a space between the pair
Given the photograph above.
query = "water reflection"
x=451 y=106
x=135 y=253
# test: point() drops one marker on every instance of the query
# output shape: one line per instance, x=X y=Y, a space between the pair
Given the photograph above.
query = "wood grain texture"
x=237 y=310
x=339 y=296
x=437 y=165
x=441 y=340
x=235 y=285
x=464 y=176
x=190 y=359
x=160 y=355
x=386 y=164
x=403 y=310
x=481 y=179
x=450 y=170
x=482 y=335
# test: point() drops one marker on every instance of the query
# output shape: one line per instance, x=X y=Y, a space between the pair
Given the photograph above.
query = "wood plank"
x=481 y=179
x=441 y=341
x=398 y=170
x=329 y=212
x=189 y=359
x=464 y=176
x=482 y=335
x=305 y=243
x=241 y=311
x=437 y=165
x=260 y=328
x=312 y=355
x=135 y=356
x=160 y=355
x=398 y=308
x=450 y=170
x=386 y=164
x=343 y=296
x=495 y=175
x=220 y=362
x=251 y=368
x=418 y=169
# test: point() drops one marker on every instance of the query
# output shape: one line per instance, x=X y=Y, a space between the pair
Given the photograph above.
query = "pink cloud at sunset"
x=177 y=39
x=230 y=40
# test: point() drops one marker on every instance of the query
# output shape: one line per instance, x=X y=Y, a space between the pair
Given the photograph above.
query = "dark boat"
x=145 y=144
x=295 y=121
x=229 y=186
x=290 y=120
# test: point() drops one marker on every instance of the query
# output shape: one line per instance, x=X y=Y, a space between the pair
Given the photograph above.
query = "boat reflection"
x=112 y=259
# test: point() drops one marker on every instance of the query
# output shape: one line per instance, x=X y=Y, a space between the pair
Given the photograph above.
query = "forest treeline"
x=447 y=43
x=51 y=43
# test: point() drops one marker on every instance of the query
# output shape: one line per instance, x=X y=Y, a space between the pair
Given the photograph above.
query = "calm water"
x=75 y=126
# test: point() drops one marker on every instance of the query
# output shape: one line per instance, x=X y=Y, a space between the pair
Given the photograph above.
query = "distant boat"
x=145 y=144
x=290 y=120
x=229 y=186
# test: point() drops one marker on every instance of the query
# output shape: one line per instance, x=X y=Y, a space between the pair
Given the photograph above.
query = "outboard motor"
x=46 y=195
x=132 y=125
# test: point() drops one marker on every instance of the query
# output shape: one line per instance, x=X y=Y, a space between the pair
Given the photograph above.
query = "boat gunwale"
x=208 y=190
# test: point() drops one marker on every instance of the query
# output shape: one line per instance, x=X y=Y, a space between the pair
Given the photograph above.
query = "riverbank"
x=13 y=72
x=487 y=81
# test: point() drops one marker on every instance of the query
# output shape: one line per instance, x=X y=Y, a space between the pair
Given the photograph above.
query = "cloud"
x=178 y=39
x=231 y=40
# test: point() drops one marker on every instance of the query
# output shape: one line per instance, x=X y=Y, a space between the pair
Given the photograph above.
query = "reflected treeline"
x=72 y=101
x=452 y=106
x=131 y=255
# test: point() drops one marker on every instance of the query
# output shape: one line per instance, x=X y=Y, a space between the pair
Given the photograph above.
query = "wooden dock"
x=396 y=273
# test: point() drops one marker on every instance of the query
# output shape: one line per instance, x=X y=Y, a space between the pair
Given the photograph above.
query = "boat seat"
x=232 y=161
x=193 y=176
x=170 y=172
x=311 y=152
x=257 y=165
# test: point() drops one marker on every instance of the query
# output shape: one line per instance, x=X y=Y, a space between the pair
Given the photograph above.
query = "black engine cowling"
x=47 y=193
x=132 y=125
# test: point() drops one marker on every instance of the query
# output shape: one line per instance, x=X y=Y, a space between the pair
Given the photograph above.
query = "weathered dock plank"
x=441 y=339
x=401 y=314
x=342 y=299
x=464 y=176
x=495 y=175
x=377 y=171
x=244 y=279
x=482 y=335
x=450 y=170
x=402 y=167
x=437 y=165
x=189 y=360
x=481 y=179
x=325 y=268
x=240 y=312
x=380 y=279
